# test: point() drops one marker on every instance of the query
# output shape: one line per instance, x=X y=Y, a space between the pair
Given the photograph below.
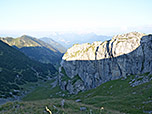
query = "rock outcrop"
x=87 y=66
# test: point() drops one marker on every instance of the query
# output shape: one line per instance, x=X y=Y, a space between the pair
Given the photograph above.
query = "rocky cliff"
x=87 y=65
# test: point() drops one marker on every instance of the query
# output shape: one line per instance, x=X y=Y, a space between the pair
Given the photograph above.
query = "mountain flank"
x=17 y=69
x=107 y=81
x=35 y=49
x=87 y=66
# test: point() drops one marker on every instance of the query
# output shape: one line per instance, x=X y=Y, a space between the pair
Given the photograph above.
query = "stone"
x=138 y=80
x=54 y=84
x=83 y=108
x=78 y=86
x=100 y=62
x=63 y=95
x=69 y=87
x=63 y=85
x=148 y=112
x=133 y=93
x=78 y=100
x=62 y=103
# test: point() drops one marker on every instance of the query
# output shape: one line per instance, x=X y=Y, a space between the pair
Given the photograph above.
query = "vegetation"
x=42 y=90
x=119 y=95
x=35 y=49
x=17 y=69
x=65 y=77
x=38 y=107
x=113 y=97
x=75 y=78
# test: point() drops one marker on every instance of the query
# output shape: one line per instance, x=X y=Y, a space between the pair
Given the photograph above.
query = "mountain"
x=17 y=69
x=87 y=66
x=129 y=94
x=69 y=39
x=35 y=49
x=54 y=44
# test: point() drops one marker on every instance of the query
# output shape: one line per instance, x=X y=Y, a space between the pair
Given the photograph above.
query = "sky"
x=106 y=17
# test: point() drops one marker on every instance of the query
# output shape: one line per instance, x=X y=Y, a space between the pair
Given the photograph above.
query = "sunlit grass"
x=116 y=97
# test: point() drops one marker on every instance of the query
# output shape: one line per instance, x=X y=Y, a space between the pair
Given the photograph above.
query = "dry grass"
x=39 y=107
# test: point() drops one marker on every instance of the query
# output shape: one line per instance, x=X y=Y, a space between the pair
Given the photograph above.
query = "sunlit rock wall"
x=87 y=65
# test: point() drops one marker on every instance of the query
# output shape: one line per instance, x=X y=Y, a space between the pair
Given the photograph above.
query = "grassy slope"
x=17 y=69
x=117 y=97
x=42 y=90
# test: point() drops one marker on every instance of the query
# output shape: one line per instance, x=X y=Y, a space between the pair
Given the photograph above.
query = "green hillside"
x=35 y=49
x=17 y=69
x=116 y=97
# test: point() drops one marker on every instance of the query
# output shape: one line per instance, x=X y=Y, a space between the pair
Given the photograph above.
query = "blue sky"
x=99 y=16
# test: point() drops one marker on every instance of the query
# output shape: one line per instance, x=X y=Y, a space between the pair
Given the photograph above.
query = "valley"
x=75 y=57
x=109 y=77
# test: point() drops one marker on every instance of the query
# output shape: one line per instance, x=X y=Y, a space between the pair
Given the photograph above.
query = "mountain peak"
x=116 y=44
x=26 y=37
x=130 y=35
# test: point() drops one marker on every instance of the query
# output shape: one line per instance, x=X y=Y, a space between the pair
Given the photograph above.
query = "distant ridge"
x=35 y=49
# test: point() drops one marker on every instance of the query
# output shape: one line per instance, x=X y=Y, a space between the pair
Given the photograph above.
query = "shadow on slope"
x=17 y=69
x=42 y=54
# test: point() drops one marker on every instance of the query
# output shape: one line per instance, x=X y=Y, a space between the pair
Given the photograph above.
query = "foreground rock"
x=87 y=66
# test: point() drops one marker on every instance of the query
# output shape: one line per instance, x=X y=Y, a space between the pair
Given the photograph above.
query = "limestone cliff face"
x=87 y=66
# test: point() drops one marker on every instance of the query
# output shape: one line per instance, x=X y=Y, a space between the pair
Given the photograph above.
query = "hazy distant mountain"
x=35 y=48
x=68 y=39
x=54 y=44
x=17 y=69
